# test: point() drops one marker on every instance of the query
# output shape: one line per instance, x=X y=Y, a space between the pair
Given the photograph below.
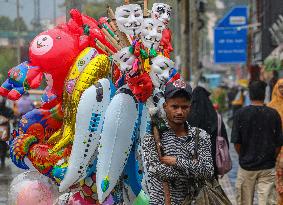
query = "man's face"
x=177 y=110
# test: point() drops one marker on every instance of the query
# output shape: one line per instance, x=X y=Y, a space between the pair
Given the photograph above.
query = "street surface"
x=7 y=174
x=10 y=171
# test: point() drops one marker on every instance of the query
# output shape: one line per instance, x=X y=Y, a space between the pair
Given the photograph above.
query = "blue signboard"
x=230 y=37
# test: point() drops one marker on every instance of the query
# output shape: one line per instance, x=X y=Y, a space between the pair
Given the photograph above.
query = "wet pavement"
x=229 y=182
x=7 y=174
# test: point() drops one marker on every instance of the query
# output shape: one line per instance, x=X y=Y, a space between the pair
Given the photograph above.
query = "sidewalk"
x=228 y=189
x=7 y=174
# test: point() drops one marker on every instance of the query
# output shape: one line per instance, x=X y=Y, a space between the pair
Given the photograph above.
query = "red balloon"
x=96 y=33
x=54 y=51
x=103 y=20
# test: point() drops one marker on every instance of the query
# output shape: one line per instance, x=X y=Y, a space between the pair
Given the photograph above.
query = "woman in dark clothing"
x=204 y=116
x=5 y=114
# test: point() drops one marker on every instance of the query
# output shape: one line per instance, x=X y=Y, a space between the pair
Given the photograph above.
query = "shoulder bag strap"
x=166 y=189
x=196 y=139
x=219 y=119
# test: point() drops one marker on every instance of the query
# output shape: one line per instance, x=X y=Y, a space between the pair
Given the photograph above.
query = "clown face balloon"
x=129 y=19
x=160 y=70
x=124 y=59
x=161 y=12
x=152 y=33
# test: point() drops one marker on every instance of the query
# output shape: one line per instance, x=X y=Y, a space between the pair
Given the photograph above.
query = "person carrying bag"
x=205 y=191
x=168 y=158
x=223 y=159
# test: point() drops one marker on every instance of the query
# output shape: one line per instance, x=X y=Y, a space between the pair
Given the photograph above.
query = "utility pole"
x=185 y=27
x=36 y=18
x=250 y=34
x=194 y=64
x=70 y=4
x=54 y=12
x=18 y=33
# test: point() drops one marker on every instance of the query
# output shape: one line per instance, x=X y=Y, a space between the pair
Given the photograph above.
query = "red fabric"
x=166 y=41
x=141 y=86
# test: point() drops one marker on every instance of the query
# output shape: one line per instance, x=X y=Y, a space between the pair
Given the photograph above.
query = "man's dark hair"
x=257 y=90
x=180 y=94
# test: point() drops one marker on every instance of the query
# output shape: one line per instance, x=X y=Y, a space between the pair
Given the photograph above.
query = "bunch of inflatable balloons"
x=104 y=79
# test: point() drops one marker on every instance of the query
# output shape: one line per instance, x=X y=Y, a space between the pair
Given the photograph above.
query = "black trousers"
x=3 y=151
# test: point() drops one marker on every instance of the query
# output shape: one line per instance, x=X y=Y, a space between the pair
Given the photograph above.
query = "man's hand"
x=168 y=160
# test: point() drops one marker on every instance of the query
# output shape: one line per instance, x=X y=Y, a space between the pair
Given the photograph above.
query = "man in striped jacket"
x=177 y=164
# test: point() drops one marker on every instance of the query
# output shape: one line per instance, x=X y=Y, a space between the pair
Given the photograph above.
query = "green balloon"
x=142 y=199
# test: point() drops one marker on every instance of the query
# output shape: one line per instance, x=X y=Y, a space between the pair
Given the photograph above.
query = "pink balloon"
x=35 y=193
x=32 y=188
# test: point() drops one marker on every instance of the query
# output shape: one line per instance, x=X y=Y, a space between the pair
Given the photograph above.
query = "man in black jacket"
x=5 y=114
x=257 y=136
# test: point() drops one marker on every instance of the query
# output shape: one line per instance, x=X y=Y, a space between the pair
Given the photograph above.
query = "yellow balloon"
x=80 y=63
x=96 y=69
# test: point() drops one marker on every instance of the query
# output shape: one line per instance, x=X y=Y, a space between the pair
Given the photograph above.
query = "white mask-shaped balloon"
x=160 y=70
x=129 y=19
x=124 y=59
x=161 y=12
x=152 y=33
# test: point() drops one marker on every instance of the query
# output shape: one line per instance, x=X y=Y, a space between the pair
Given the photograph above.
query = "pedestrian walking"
x=203 y=115
x=277 y=104
x=5 y=115
x=169 y=160
x=24 y=104
x=257 y=136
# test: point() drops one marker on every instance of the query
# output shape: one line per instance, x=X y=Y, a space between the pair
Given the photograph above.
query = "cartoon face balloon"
x=161 y=12
x=54 y=50
x=152 y=33
x=129 y=18
x=42 y=44
x=124 y=59
x=160 y=70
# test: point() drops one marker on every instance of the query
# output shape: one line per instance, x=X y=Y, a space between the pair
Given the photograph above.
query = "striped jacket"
x=183 y=149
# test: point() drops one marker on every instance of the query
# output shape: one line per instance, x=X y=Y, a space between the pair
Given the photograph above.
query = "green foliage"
x=22 y=24
x=97 y=9
x=5 y=23
x=218 y=96
x=8 y=59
